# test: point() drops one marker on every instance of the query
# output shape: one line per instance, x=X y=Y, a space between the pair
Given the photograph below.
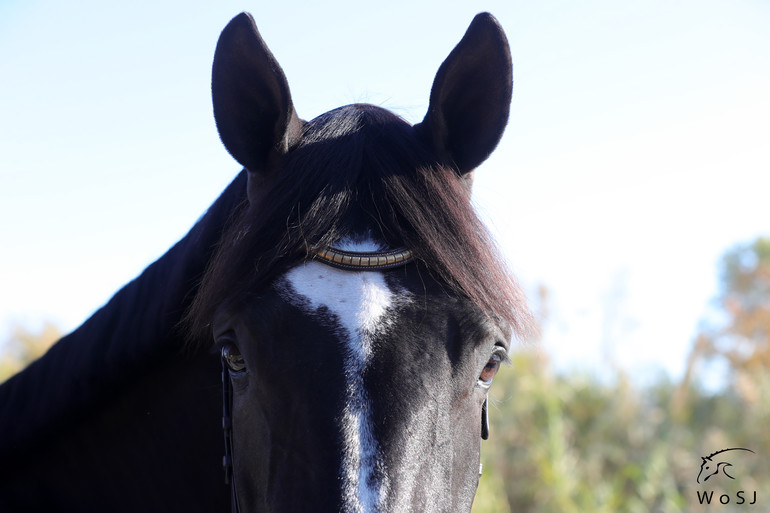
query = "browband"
x=364 y=261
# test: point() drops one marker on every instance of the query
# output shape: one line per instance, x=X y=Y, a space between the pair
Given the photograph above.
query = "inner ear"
x=471 y=96
x=252 y=103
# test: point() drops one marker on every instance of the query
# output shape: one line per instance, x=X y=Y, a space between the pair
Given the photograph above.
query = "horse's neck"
x=156 y=445
x=136 y=330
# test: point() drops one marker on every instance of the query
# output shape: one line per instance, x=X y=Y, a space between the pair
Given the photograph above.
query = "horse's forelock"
x=361 y=167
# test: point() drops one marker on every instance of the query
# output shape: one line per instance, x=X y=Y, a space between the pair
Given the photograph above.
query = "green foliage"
x=569 y=443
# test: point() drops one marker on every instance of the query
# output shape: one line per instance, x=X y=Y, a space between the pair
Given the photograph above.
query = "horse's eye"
x=490 y=369
x=233 y=358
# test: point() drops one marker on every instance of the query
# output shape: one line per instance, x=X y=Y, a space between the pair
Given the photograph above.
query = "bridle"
x=341 y=259
x=364 y=261
x=227 y=428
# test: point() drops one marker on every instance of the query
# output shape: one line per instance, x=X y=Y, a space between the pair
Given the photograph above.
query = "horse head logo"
x=711 y=467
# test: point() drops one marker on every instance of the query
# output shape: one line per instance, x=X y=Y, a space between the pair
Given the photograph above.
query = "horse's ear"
x=252 y=103
x=471 y=96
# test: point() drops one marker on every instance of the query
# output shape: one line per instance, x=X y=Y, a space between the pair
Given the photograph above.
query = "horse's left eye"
x=490 y=369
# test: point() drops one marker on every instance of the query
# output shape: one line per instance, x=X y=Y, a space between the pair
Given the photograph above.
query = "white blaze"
x=359 y=302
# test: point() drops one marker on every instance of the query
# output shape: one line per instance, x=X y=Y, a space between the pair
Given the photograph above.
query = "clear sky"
x=637 y=152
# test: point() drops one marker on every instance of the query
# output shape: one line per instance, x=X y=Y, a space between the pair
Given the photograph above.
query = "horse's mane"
x=136 y=329
x=355 y=168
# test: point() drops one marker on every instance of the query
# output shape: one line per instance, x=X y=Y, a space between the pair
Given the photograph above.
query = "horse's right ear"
x=471 y=97
x=252 y=103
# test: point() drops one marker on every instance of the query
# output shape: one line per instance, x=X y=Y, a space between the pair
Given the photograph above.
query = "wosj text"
x=705 y=497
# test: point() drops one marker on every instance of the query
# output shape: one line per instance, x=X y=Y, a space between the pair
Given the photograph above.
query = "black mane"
x=359 y=168
x=136 y=330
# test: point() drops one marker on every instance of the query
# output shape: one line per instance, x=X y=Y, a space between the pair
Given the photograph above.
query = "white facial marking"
x=360 y=303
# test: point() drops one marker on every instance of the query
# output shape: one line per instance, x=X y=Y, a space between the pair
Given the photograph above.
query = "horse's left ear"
x=252 y=103
x=471 y=96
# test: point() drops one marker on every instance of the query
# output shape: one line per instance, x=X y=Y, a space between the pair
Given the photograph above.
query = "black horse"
x=344 y=284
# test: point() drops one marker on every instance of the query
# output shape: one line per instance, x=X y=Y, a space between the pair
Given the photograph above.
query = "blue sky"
x=637 y=150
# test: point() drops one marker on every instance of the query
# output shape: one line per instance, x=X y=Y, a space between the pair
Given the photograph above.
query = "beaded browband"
x=364 y=261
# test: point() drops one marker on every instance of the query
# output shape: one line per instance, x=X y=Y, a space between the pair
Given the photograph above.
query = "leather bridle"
x=227 y=428
x=341 y=259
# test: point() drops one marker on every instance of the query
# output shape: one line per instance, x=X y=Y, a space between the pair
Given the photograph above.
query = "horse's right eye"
x=233 y=358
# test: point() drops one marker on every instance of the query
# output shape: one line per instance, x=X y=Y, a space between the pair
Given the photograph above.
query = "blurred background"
x=629 y=195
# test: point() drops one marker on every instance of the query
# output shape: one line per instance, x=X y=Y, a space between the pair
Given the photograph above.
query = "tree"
x=740 y=336
x=745 y=298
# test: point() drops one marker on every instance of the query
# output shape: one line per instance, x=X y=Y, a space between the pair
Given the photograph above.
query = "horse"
x=334 y=320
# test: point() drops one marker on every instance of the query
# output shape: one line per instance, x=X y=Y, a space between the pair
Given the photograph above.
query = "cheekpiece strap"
x=364 y=261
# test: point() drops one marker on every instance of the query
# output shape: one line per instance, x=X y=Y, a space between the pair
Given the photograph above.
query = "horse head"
x=707 y=469
x=358 y=303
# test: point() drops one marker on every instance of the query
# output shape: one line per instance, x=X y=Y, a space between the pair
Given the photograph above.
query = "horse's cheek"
x=250 y=457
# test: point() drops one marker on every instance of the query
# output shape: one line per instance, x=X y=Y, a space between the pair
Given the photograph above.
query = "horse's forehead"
x=361 y=302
